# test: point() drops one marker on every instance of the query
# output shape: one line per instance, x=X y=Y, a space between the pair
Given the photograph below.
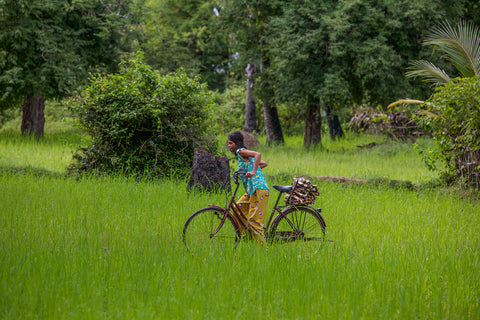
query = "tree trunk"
x=334 y=126
x=33 y=119
x=313 y=124
x=250 y=106
x=273 y=128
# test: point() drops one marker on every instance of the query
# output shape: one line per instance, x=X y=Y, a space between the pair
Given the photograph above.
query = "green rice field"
x=111 y=248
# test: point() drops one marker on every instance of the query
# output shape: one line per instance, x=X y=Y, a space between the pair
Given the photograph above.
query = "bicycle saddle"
x=283 y=188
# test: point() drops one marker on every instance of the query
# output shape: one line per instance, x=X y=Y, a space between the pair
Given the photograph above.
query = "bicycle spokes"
x=210 y=227
x=301 y=225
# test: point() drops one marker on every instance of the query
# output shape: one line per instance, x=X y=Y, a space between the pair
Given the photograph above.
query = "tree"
x=299 y=44
x=250 y=105
x=185 y=34
x=246 y=22
x=452 y=113
x=332 y=55
x=47 y=48
x=472 y=11
x=461 y=46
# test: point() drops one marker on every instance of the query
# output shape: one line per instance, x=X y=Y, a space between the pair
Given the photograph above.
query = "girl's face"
x=232 y=146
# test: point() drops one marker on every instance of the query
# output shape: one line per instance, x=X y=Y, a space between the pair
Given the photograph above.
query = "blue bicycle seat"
x=283 y=188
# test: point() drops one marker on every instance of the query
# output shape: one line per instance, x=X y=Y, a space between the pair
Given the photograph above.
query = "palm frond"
x=428 y=71
x=461 y=45
x=405 y=101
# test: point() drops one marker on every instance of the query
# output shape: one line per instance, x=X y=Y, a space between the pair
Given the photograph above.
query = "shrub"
x=140 y=122
x=453 y=113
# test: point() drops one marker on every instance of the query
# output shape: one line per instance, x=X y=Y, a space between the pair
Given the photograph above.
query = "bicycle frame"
x=238 y=216
x=231 y=205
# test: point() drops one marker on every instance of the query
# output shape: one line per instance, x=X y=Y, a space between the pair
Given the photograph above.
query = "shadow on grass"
x=31 y=171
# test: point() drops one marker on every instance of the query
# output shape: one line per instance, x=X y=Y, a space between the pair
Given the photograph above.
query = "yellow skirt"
x=254 y=208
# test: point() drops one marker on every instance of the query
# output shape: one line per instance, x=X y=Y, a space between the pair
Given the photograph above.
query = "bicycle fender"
x=215 y=206
x=319 y=210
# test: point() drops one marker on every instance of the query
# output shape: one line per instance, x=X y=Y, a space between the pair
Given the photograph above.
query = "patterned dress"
x=253 y=205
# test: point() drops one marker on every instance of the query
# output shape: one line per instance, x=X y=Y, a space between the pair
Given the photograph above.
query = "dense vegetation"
x=140 y=123
x=360 y=48
x=48 y=48
x=453 y=114
x=303 y=65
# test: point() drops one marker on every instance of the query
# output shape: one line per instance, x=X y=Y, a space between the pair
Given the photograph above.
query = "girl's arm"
x=245 y=154
x=262 y=164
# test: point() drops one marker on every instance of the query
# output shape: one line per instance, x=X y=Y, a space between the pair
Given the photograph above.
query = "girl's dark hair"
x=237 y=138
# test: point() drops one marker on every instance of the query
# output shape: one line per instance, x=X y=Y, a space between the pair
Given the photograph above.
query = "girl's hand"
x=250 y=174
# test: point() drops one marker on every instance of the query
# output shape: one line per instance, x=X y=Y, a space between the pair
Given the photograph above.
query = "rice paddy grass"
x=111 y=247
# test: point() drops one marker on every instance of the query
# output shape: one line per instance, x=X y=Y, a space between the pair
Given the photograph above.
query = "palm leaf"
x=405 y=101
x=460 y=44
x=428 y=71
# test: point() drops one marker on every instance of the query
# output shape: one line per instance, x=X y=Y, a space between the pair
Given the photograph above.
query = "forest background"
x=274 y=68
x=290 y=64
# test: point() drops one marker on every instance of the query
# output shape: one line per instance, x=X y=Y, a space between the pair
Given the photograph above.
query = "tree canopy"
x=48 y=48
x=325 y=56
x=185 y=34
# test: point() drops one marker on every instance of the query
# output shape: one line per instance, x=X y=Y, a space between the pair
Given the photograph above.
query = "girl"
x=253 y=204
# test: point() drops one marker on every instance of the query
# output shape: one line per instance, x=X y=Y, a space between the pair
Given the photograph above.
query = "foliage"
x=461 y=46
x=292 y=117
x=246 y=22
x=6 y=115
x=337 y=54
x=48 y=47
x=140 y=122
x=347 y=52
x=186 y=34
x=230 y=112
x=453 y=113
x=229 y=115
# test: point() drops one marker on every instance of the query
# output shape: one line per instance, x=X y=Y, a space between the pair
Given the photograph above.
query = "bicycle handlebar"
x=236 y=174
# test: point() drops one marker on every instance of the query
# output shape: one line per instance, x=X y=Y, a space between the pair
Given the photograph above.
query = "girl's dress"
x=253 y=205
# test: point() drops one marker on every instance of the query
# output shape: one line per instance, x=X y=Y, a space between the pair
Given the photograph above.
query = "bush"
x=453 y=113
x=141 y=123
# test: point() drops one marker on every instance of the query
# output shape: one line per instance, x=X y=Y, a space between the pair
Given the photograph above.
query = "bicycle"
x=223 y=226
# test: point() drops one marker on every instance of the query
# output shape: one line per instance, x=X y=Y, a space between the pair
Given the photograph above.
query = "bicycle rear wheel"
x=208 y=229
x=300 y=227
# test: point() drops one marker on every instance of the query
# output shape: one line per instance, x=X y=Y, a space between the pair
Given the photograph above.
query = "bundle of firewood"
x=303 y=192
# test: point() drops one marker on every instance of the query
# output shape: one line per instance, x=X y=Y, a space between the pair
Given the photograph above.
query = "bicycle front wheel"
x=299 y=227
x=210 y=228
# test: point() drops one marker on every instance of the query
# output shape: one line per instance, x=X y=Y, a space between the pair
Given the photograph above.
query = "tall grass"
x=53 y=153
x=111 y=248
x=95 y=248
x=350 y=158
